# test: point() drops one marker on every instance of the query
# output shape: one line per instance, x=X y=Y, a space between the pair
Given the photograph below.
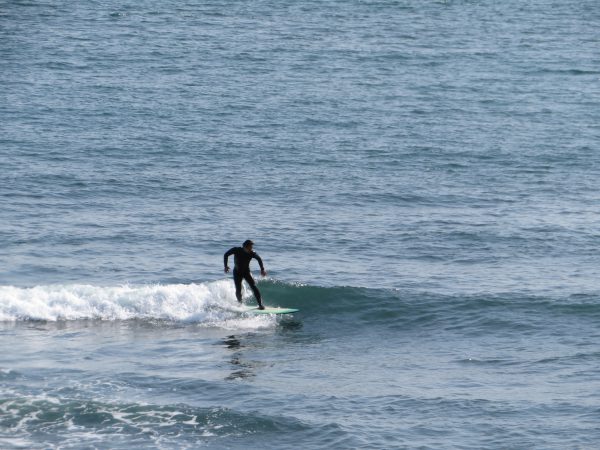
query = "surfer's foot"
x=261 y=307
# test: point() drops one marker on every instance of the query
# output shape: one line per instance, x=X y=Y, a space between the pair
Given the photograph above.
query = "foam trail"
x=204 y=302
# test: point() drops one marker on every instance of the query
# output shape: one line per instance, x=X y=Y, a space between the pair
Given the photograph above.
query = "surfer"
x=241 y=270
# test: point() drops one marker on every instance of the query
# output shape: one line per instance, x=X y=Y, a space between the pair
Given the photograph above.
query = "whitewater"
x=185 y=303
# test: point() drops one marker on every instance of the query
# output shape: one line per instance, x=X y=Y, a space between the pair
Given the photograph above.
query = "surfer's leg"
x=237 y=280
x=255 y=291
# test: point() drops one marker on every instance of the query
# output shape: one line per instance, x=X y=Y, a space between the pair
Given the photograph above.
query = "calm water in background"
x=420 y=178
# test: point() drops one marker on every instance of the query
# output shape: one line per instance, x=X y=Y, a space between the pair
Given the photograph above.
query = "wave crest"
x=202 y=302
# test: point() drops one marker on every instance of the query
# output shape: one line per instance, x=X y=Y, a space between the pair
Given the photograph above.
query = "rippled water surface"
x=420 y=178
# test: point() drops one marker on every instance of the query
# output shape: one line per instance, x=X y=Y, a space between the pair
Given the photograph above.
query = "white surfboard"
x=269 y=310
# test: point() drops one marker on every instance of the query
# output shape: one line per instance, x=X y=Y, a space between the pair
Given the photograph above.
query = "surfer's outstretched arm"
x=260 y=263
x=226 y=256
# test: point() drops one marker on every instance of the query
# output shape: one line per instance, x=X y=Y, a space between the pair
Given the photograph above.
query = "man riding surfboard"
x=241 y=270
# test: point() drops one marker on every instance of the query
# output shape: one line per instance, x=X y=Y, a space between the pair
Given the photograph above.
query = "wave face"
x=214 y=304
x=383 y=302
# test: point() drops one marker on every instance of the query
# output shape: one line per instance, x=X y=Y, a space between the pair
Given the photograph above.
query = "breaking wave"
x=211 y=302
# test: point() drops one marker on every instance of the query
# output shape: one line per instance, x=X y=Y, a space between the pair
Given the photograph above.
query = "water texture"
x=420 y=178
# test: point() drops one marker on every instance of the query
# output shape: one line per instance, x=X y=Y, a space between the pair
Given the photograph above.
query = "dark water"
x=420 y=178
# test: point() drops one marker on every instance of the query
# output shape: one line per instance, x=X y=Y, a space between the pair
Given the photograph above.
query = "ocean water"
x=419 y=177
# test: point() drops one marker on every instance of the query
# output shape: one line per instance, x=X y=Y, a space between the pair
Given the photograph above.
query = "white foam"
x=213 y=303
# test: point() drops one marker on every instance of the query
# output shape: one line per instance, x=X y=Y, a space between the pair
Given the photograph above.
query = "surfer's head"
x=248 y=244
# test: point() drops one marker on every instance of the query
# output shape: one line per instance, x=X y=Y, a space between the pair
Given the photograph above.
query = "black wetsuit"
x=241 y=271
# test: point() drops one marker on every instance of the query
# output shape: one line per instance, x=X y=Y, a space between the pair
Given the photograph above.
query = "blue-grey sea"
x=421 y=179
